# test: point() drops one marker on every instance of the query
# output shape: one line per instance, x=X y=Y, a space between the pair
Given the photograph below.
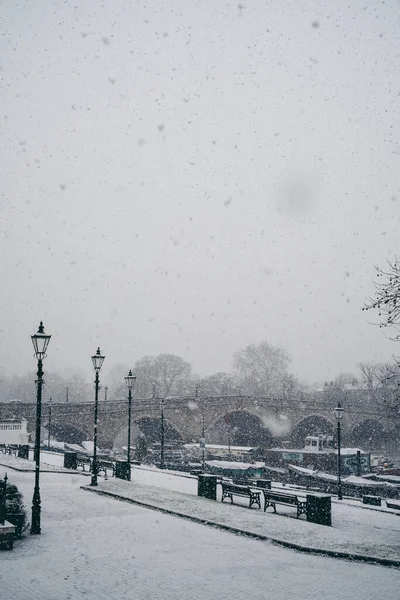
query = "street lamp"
x=202 y=443
x=130 y=382
x=40 y=342
x=339 y=414
x=49 y=428
x=97 y=361
x=162 y=434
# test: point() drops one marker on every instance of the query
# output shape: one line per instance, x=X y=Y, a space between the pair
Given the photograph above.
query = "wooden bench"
x=12 y=450
x=229 y=490
x=274 y=498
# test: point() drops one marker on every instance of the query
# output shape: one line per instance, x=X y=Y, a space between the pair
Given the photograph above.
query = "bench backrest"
x=230 y=487
x=240 y=482
x=288 y=498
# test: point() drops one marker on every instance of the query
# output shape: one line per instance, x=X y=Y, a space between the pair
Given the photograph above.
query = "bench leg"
x=227 y=496
x=268 y=504
x=301 y=509
x=254 y=499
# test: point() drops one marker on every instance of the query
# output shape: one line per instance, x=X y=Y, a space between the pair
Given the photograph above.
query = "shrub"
x=15 y=506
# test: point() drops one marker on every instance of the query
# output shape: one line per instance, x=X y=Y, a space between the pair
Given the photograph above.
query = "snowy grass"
x=354 y=530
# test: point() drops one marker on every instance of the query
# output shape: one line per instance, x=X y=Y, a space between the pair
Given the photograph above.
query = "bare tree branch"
x=387 y=298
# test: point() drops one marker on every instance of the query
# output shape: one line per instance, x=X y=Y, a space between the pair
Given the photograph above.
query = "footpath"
x=356 y=534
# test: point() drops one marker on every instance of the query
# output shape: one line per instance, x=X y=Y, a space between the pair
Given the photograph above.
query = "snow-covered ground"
x=95 y=548
x=356 y=528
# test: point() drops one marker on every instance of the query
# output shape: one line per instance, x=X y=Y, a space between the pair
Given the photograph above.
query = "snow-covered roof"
x=56 y=444
x=225 y=464
x=221 y=447
x=390 y=478
x=301 y=470
x=365 y=482
x=74 y=447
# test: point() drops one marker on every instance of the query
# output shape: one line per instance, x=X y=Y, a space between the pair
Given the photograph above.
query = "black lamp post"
x=130 y=382
x=339 y=414
x=97 y=360
x=162 y=465
x=203 y=442
x=40 y=342
x=202 y=439
x=49 y=428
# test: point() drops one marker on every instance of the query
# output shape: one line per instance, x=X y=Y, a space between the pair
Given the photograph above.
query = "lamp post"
x=162 y=434
x=97 y=360
x=202 y=439
x=339 y=414
x=40 y=342
x=130 y=382
x=203 y=442
x=49 y=428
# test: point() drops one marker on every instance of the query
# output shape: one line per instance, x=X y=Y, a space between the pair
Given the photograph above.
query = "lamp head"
x=338 y=412
x=130 y=380
x=98 y=360
x=40 y=342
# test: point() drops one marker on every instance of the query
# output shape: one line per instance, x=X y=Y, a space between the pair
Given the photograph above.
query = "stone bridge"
x=235 y=420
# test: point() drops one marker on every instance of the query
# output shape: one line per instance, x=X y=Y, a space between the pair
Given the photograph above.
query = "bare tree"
x=173 y=374
x=261 y=370
x=167 y=374
x=387 y=296
x=382 y=381
x=219 y=384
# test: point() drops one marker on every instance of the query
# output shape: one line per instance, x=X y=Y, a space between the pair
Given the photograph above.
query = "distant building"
x=14 y=431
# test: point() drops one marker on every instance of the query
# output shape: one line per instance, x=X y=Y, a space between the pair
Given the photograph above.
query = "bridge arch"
x=64 y=432
x=310 y=425
x=370 y=434
x=239 y=428
x=148 y=428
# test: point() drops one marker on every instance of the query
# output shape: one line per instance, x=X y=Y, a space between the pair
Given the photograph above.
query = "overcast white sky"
x=191 y=177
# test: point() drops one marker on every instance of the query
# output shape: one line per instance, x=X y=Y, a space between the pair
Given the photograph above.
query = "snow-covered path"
x=96 y=548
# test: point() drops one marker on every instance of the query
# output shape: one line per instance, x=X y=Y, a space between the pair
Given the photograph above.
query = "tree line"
x=257 y=370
